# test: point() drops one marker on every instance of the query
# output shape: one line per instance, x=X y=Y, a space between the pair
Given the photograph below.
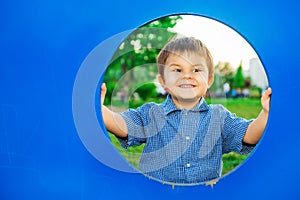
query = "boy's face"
x=186 y=78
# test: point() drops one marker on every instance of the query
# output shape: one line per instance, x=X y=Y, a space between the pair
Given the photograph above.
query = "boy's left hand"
x=265 y=100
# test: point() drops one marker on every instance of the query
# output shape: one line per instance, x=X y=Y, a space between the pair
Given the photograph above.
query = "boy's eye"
x=177 y=70
x=196 y=70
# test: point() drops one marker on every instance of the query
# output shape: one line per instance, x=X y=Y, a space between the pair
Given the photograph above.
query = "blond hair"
x=185 y=45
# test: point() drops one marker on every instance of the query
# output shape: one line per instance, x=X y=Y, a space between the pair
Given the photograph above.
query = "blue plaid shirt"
x=184 y=146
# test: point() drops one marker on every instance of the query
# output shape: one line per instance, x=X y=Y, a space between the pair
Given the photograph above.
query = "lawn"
x=247 y=108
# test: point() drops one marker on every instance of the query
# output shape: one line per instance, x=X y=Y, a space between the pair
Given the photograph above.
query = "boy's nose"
x=187 y=75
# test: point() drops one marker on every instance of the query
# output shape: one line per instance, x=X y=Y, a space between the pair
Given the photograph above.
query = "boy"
x=184 y=137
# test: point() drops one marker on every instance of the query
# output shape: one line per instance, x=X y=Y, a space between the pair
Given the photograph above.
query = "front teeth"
x=186 y=86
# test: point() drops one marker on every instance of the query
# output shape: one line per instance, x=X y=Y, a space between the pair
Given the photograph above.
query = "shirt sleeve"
x=233 y=131
x=136 y=121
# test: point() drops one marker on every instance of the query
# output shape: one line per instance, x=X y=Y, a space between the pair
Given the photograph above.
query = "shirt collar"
x=169 y=105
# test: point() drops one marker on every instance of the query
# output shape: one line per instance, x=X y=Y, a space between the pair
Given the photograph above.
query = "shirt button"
x=187 y=137
x=188 y=165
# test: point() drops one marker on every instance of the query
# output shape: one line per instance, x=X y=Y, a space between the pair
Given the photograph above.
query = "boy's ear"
x=161 y=80
x=210 y=81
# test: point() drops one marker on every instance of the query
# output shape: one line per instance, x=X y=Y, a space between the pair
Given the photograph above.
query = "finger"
x=103 y=89
x=267 y=93
x=102 y=93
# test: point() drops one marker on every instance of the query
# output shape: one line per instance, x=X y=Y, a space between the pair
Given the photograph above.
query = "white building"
x=257 y=73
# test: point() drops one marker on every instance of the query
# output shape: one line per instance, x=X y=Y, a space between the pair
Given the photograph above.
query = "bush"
x=255 y=92
x=146 y=91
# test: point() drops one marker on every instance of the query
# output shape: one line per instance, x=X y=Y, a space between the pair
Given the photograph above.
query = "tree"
x=147 y=90
x=239 y=80
x=139 y=49
x=224 y=72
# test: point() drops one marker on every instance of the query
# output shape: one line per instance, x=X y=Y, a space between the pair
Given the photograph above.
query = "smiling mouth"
x=187 y=86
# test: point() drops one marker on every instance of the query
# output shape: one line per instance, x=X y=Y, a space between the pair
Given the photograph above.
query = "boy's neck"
x=184 y=104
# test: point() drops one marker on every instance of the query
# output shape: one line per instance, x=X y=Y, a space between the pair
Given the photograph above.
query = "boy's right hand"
x=114 y=122
x=102 y=93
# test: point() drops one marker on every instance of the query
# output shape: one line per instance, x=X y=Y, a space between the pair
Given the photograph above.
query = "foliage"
x=140 y=50
x=231 y=161
x=217 y=82
x=110 y=88
x=255 y=91
x=224 y=72
x=239 y=80
x=146 y=91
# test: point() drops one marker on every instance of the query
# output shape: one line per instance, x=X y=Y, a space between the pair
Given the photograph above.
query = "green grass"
x=132 y=154
x=246 y=108
x=231 y=161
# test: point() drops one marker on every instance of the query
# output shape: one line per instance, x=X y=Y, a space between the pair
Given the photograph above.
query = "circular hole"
x=175 y=136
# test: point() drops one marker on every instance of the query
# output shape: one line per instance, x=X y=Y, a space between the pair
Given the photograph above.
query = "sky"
x=224 y=43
